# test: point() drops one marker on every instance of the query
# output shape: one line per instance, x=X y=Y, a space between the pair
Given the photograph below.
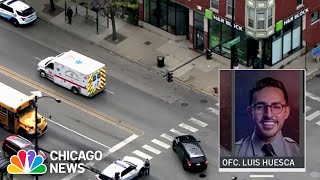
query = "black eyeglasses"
x=276 y=108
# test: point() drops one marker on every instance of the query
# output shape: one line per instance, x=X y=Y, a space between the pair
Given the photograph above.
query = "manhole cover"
x=184 y=104
x=147 y=43
x=202 y=175
x=203 y=101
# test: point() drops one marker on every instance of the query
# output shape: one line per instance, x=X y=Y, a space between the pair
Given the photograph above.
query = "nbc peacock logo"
x=26 y=163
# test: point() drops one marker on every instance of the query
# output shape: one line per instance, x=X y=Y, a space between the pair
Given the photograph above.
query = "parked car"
x=4 y=175
x=17 y=12
x=190 y=152
x=14 y=143
x=129 y=168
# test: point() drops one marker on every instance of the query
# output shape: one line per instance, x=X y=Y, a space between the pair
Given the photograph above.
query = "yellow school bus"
x=17 y=113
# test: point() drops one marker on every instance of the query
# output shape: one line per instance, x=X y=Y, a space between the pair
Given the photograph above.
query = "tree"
x=53 y=7
x=111 y=7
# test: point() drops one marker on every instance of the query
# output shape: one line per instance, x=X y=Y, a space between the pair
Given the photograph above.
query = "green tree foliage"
x=111 y=7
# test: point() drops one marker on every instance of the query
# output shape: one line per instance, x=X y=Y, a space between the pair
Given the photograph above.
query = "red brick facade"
x=283 y=10
x=312 y=32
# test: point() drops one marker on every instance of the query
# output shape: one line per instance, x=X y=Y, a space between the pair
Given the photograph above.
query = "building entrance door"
x=198 y=39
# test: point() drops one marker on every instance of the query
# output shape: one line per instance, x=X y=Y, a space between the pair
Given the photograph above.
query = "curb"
x=138 y=63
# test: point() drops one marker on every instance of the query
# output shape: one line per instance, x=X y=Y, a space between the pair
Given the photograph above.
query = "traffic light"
x=208 y=54
x=169 y=76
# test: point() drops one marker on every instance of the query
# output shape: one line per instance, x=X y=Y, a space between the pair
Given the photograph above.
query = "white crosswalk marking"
x=217 y=104
x=206 y=116
x=197 y=122
x=318 y=123
x=166 y=136
x=307 y=108
x=190 y=128
x=176 y=132
x=151 y=149
x=141 y=154
x=160 y=143
x=213 y=110
x=312 y=96
x=313 y=115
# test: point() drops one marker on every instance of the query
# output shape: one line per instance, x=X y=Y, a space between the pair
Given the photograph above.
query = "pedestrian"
x=147 y=167
x=117 y=176
x=69 y=15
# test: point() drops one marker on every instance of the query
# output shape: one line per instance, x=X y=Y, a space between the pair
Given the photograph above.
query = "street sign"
x=316 y=52
x=233 y=41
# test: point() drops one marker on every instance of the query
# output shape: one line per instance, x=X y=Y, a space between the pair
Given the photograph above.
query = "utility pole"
x=233 y=36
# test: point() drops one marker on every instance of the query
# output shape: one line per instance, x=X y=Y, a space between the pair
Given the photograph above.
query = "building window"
x=215 y=4
x=251 y=18
x=314 y=16
x=261 y=20
x=299 y=2
x=270 y=17
x=229 y=7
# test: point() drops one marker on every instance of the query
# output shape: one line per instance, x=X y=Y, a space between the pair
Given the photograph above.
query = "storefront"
x=220 y=33
x=166 y=15
x=285 y=41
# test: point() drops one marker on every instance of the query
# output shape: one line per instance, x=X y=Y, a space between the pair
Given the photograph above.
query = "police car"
x=17 y=12
x=128 y=168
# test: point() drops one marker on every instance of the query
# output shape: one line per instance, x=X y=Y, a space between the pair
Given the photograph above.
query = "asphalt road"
x=138 y=98
x=152 y=112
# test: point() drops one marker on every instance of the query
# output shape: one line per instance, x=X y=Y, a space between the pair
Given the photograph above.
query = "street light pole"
x=233 y=34
x=36 y=128
x=36 y=119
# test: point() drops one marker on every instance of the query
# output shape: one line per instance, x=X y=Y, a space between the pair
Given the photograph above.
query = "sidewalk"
x=143 y=46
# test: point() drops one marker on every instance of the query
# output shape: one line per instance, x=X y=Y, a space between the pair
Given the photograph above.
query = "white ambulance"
x=74 y=71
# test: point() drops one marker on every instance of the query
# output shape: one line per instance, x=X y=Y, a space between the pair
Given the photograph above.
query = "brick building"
x=271 y=32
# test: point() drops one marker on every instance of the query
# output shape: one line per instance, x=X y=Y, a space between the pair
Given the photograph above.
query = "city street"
x=138 y=103
x=156 y=120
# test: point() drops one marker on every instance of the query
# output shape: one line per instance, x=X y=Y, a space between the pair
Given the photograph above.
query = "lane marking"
x=142 y=154
x=312 y=96
x=108 y=91
x=318 y=123
x=176 y=132
x=197 y=122
x=160 y=143
x=206 y=116
x=213 y=110
x=105 y=154
x=190 y=128
x=307 y=108
x=166 y=136
x=76 y=104
x=37 y=58
x=261 y=176
x=79 y=134
x=313 y=115
x=151 y=149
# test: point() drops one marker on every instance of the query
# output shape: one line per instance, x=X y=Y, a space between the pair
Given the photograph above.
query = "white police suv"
x=17 y=12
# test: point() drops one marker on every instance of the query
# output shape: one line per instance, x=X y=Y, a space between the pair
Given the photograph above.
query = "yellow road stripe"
x=107 y=118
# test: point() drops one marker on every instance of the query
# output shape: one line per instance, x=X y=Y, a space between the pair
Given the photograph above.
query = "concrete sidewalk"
x=143 y=46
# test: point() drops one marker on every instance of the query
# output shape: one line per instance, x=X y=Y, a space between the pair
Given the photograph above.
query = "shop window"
x=215 y=4
x=164 y=17
x=215 y=36
x=261 y=20
x=251 y=18
x=146 y=9
x=198 y=20
x=314 y=16
x=270 y=15
x=229 y=7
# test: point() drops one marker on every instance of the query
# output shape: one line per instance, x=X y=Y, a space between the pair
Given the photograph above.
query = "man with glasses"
x=269 y=110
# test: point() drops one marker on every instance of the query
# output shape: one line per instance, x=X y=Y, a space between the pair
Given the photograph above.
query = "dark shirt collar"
x=276 y=144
